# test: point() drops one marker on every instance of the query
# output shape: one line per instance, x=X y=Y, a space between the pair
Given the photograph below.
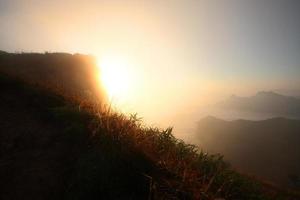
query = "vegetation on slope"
x=63 y=152
x=56 y=147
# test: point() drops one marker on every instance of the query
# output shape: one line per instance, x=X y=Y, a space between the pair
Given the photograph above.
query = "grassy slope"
x=51 y=149
x=47 y=152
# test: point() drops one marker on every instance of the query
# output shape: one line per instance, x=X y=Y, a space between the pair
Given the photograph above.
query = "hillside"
x=264 y=102
x=68 y=74
x=268 y=148
x=46 y=152
x=58 y=144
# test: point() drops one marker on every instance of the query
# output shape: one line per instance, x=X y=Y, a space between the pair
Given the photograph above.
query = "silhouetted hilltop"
x=264 y=102
x=72 y=74
x=3 y=52
x=52 y=147
x=268 y=148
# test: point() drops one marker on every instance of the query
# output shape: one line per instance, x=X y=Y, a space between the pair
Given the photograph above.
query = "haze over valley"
x=150 y=99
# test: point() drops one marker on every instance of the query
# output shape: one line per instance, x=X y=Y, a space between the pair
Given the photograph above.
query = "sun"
x=115 y=75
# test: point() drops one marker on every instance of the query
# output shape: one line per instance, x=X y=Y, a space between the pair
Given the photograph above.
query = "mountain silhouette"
x=264 y=102
x=268 y=148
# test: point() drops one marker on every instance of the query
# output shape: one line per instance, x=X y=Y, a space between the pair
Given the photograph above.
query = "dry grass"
x=183 y=170
x=172 y=169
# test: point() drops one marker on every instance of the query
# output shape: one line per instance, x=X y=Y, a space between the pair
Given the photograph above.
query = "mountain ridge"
x=264 y=102
x=266 y=148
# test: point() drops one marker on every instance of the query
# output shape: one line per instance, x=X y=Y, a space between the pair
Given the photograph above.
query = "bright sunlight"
x=116 y=76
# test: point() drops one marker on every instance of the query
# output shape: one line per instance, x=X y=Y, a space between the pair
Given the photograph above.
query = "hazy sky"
x=181 y=53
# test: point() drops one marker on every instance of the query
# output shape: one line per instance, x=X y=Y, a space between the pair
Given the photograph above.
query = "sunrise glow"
x=115 y=76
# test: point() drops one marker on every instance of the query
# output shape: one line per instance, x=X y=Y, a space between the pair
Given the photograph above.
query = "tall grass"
x=182 y=170
x=118 y=144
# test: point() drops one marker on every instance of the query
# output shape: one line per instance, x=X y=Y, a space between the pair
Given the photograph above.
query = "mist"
x=150 y=99
x=186 y=56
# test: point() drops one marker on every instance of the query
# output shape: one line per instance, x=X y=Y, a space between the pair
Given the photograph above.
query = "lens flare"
x=115 y=76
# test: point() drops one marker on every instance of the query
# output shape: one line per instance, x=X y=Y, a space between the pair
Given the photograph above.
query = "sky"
x=181 y=54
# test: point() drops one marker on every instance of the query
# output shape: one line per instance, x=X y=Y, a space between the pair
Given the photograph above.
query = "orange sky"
x=181 y=54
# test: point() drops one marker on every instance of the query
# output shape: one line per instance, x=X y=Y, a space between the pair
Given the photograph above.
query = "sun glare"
x=115 y=76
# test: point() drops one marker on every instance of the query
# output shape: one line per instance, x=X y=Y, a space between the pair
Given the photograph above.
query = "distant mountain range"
x=264 y=102
x=268 y=148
